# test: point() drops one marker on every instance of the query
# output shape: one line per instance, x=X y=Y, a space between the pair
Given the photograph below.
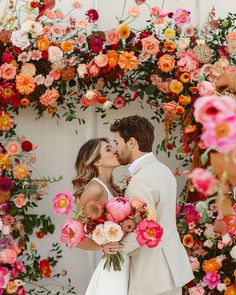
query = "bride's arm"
x=89 y=244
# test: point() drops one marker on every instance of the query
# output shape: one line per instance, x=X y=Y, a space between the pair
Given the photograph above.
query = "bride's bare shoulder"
x=93 y=190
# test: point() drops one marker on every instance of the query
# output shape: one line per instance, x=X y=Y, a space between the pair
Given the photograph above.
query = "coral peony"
x=149 y=233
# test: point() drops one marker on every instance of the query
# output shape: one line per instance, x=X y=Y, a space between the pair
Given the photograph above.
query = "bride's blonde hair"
x=88 y=154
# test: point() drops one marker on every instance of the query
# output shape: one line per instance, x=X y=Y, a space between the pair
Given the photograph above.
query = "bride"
x=94 y=165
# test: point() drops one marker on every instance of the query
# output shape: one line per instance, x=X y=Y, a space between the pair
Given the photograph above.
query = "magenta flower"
x=72 y=232
x=203 y=181
x=181 y=17
x=18 y=267
x=220 y=133
x=92 y=15
x=211 y=279
x=149 y=233
x=5 y=183
x=4 y=272
x=118 y=209
x=63 y=203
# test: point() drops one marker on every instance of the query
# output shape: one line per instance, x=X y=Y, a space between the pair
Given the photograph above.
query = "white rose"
x=221 y=287
x=33 y=27
x=6 y=230
x=54 y=54
x=107 y=105
x=99 y=235
x=20 y=39
x=183 y=43
x=226 y=239
x=208 y=244
x=82 y=70
x=233 y=252
x=113 y=232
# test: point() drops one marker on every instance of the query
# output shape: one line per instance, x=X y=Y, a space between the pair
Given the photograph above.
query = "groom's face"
x=122 y=149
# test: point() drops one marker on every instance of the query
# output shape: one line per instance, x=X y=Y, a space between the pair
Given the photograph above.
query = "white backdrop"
x=58 y=143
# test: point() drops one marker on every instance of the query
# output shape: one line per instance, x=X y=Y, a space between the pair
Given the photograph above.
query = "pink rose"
x=72 y=232
x=92 y=69
x=8 y=256
x=209 y=107
x=194 y=263
x=134 y=11
x=49 y=97
x=118 y=209
x=112 y=37
x=197 y=290
x=206 y=88
x=63 y=203
x=203 y=181
x=101 y=60
x=150 y=45
x=8 y=71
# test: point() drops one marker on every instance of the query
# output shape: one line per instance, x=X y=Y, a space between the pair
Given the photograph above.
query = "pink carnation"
x=49 y=97
x=63 y=203
x=204 y=181
x=118 y=209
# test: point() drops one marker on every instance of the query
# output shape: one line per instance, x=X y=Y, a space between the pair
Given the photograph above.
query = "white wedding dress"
x=104 y=282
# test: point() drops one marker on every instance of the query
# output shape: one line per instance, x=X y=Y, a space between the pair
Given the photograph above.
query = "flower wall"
x=57 y=70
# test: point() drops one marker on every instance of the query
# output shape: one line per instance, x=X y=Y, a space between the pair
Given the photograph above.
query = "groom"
x=166 y=268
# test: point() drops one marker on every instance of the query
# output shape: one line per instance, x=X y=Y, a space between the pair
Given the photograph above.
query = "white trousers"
x=176 y=291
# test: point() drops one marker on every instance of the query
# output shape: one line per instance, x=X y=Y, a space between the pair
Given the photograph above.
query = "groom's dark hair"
x=139 y=128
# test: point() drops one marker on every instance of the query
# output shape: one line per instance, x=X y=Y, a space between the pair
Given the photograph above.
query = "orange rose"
x=67 y=46
x=185 y=78
x=128 y=61
x=101 y=60
x=150 y=45
x=211 y=265
x=184 y=99
x=113 y=58
x=176 y=86
x=170 y=46
x=42 y=43
x=166 y=63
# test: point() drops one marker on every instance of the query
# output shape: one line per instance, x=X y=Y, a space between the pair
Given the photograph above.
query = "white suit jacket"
x=165 y=267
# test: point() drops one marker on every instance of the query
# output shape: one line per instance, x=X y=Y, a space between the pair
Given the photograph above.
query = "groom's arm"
x=137 y=189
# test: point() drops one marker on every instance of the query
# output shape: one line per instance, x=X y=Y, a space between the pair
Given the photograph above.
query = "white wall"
x=58 y=142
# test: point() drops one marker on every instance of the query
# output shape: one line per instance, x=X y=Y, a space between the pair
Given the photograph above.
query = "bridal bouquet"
x=107 y=223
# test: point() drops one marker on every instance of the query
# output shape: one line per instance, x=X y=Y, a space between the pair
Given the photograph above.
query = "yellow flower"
x=124 y=31
x=170 y=46
x=185 y=78
x=5 y=121
x=169 y=33
x=176 y=86
x=184 y=99
x=20 y=171
x=188 y=241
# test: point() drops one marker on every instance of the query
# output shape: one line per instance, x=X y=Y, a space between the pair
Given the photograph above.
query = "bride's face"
x=108 y=156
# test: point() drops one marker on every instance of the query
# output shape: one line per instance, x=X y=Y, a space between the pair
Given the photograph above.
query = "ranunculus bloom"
x=149 y=233
x=150 y=45
x=72 y=232
x=176 y=86
x=203 y=181
x=211 y=279
x=11 y=287
x=67 y=46
x=220 y=133
x=128 y=61
x=112 y=37
x=209 y=107
x=49 y=97
x=8 y=71
x=118 y=209
x=63 y=203
x=113 y=58
x=206 y=88
x=166 y=63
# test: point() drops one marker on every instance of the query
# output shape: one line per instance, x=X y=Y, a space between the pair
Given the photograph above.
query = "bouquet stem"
x=115 y=261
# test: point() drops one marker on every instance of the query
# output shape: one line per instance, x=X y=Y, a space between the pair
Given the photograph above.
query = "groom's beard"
x=124 y=159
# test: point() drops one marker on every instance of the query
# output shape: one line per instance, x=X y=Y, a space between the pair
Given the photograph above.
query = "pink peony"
x=49 y=97
x=220 y=133
x=203 y=181
x=211 y=279
x=209 y=107
x=4 y=273
x=8 y=256
x=63 y=203
x=72 y=232
x=196 y=290
x=149 y=233
x=150 y=45
x=118 y=209
x=112 y=37
x=181 y=17
x=187 y=61
x=8 y=71
x=206 y=88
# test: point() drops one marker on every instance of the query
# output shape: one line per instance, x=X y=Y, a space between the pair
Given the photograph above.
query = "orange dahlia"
x=128 y=61
x=211 y=265
x=5 y=121
x=20 y=171
x=231 y=290
x=25 y=84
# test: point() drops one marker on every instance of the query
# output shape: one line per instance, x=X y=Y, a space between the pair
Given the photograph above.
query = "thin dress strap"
x=105 y=187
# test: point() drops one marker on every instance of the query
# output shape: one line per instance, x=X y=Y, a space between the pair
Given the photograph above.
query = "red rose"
x=45 y=268
x=26 y=146
x=40 y=234
x=95 y=44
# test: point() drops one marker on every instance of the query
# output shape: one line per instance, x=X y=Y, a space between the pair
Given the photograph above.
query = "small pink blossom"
x=39 y=79
x=59 y=14
x=13 y=148
x=48 y=81
x=203 y=181
x=24 y=57
x=63 y=203
x=57 y=31
x=134 y=11
x=149 y=233
x=20 y=200
x=119 y=102
x=76 y=5
x=49 y=14
x=196 y=290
